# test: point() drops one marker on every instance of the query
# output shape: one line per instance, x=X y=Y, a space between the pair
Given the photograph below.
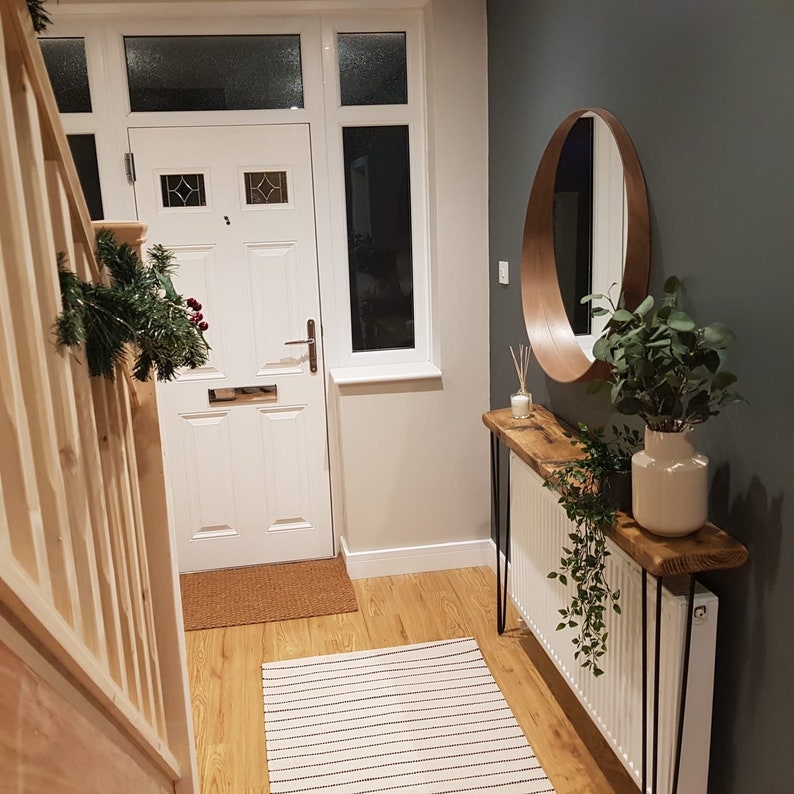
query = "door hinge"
x=129 y=167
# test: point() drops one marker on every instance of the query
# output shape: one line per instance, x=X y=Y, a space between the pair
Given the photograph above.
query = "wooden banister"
x=86 y=559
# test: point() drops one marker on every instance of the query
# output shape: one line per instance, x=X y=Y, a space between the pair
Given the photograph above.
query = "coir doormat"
x=265 y=593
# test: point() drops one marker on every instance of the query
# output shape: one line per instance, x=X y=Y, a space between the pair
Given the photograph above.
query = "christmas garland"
x=139 y=311
x=38 y=15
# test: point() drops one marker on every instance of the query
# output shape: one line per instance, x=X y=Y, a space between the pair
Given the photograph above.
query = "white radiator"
x=539 y=529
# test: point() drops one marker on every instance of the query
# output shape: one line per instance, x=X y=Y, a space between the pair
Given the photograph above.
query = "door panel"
x=249 y=479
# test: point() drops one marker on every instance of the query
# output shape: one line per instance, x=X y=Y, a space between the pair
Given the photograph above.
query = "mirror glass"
x=586 y=229
x=588 y=220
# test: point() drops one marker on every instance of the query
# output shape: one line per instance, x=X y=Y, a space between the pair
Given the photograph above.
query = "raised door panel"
x=273 y=290
x=285 y=448
x=206 y=462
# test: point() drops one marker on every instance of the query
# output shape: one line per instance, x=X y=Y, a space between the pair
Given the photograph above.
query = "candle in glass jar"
x=519 y=404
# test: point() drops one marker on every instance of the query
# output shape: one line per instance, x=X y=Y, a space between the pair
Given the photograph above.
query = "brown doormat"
x=264 y=593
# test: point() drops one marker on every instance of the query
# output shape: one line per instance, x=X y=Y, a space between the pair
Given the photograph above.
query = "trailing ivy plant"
x=138 y=311
x=580 y=484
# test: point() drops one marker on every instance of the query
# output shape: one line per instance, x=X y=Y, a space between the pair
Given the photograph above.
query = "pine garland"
x=138 y=311
x=38 y=15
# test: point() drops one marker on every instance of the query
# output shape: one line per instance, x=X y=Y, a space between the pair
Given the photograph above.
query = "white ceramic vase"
x=669 y=483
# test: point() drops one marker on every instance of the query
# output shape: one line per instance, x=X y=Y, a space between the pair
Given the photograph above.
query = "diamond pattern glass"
x=266 y=187
x=183 y=190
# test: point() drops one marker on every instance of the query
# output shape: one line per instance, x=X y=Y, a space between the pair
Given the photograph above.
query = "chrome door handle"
x=311 y=341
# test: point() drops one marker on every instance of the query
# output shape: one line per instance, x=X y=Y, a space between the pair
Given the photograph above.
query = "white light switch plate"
x=504 y=272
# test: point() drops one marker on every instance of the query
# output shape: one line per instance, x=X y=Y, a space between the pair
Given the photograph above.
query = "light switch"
x=504 y=272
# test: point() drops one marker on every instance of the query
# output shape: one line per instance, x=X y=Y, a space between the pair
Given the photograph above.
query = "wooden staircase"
x=90 y=618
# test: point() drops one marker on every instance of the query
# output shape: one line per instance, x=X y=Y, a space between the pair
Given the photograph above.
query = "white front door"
x=244 y=436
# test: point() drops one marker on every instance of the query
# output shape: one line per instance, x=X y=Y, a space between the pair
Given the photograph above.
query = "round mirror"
x=586 y=228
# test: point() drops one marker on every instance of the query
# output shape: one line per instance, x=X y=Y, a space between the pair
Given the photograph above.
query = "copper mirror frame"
x=554 y=344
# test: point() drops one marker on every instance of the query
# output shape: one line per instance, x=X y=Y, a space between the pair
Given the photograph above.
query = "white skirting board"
x=417 y=559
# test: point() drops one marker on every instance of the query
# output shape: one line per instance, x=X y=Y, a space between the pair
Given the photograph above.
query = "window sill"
x=384 y=373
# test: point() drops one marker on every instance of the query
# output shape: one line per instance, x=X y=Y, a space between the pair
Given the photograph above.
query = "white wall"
x=408 y=460
x=414 y=455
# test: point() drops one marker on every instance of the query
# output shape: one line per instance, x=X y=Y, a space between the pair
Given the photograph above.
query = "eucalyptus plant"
x=663 y=366
x=580 y=485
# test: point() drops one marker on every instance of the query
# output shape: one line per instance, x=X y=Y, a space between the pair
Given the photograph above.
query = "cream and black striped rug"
x=423 y=718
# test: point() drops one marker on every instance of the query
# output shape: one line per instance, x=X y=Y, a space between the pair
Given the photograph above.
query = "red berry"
x=196 y=305
x=203 y=326
x=198 y=316
x=191 y=302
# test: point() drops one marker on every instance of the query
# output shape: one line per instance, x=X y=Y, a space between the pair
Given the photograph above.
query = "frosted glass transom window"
x=372 y=68
x=183 y=190
x=183 y=73
x=68 y=72
x=266 y=187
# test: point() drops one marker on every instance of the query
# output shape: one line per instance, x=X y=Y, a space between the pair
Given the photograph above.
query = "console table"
x=541 y=442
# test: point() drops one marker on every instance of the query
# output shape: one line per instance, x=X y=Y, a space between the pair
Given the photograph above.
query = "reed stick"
x=521 y=363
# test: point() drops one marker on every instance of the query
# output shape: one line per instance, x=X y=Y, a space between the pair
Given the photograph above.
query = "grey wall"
x=706 y=91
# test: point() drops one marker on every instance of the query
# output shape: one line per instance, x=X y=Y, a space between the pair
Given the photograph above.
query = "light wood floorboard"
x=226 y=686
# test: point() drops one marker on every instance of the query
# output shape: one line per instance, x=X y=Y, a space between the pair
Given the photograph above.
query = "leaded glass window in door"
x=183 y=190
x=266 y=187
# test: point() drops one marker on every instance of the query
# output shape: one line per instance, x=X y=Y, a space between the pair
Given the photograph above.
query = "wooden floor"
x=226 y=685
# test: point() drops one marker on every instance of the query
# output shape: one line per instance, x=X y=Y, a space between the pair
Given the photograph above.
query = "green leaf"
x=718 y=335
x=623 y=316
x=601 y=349
x=592 y=297
x=645 y=306
x=723 y=379
x=38 y=15
x=629 y=406
x=711 y=360
x=680 y=321
x=672 y=285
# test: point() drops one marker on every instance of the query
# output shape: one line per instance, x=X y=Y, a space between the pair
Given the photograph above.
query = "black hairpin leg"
x=644 y=681
x=684 y=682
x=501 y=591
x=656 y=678
x=657 y=658
x=657 y=652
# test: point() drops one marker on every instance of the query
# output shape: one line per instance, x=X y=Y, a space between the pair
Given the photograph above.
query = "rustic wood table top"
x=541 y=442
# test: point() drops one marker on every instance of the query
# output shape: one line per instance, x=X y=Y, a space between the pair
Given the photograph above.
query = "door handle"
x=311 y=341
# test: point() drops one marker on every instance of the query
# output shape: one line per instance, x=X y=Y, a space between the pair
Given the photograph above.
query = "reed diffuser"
x=521 y=401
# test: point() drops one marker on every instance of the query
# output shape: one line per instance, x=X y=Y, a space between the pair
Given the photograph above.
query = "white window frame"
x=103 y=28
x=360 y=366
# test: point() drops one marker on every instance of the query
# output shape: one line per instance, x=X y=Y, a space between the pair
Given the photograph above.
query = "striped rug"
x=423 y=718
